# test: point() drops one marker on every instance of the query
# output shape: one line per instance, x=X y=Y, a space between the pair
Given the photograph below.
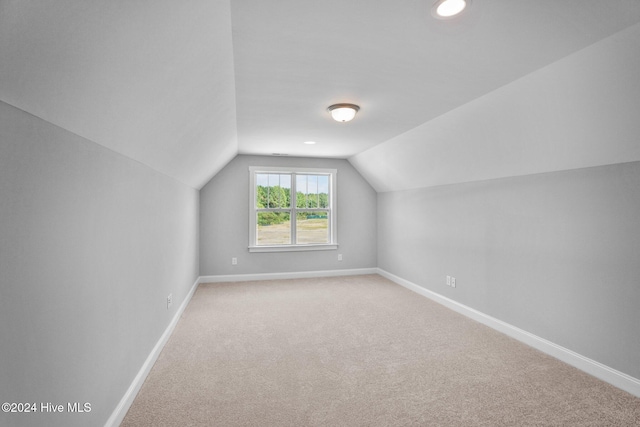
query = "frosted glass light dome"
x=343 y=112
x=444 y=9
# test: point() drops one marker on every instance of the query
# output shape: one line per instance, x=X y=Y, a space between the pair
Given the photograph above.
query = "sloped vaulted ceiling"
x=580 y=111
x=152 y=80
x=183 y=86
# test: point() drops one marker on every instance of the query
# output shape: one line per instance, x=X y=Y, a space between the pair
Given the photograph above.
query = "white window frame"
x=253 y=210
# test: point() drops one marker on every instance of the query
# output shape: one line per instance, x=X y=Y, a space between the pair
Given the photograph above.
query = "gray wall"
x=555 y=254
x=91 y=244
x=224 y=222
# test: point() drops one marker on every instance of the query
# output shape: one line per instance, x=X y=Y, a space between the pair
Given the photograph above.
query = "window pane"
x=312 y=191
x=312 y=227
x=262 y=189
x=301 y=191
x=274 y=228
x=323 y=191
x=285 y=190
x=278 y=191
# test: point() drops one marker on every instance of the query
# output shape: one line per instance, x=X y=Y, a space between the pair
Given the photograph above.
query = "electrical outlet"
x=169 y=301
x=339 y=257
x=448 y=280
x=234 y=261
x=453 y=282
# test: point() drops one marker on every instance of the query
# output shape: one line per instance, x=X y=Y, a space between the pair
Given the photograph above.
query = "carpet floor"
x=357 y=351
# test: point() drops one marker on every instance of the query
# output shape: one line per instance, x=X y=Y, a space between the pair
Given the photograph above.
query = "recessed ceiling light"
x=309 y=142
x=343 y=112
x=447 y=9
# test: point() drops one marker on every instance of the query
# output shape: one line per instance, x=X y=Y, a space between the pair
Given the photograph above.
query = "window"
x=292 y=209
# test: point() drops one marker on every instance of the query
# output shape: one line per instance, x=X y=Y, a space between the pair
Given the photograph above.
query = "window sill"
x=294 y=248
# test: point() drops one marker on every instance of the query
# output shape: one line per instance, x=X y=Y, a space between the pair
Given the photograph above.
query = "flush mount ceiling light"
x=309 y=142
x=343 y=112
x=447 y=9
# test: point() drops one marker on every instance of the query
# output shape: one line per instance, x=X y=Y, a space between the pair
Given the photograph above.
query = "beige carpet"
x=357 y=351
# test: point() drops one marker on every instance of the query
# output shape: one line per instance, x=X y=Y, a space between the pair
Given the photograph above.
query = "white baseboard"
x=292 y=275
x=597 y=369
x=125 y=403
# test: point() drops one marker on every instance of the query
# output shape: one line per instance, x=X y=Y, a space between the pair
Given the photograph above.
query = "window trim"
x=333 y=235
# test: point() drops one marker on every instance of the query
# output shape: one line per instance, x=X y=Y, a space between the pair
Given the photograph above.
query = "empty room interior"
x=303 y=213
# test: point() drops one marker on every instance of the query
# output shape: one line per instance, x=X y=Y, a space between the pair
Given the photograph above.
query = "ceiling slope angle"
x=404 y=68
x=581 y=111
x=183 y=87
x=150 y=80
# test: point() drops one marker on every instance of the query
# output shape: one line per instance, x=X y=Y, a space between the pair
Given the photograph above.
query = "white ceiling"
x=150 y=79
x=183 y=86
x=581 y=111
